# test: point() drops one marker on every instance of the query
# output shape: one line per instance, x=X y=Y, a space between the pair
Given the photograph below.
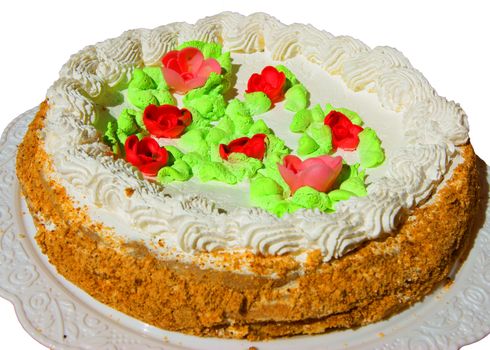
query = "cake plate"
x=61 y=316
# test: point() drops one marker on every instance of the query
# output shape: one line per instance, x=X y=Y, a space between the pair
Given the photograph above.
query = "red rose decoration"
x=270 y=82
x=166 y=120
x=344 y=132
x=146 y=155
x=252 y=147
x=319 y=173
x=187 y=69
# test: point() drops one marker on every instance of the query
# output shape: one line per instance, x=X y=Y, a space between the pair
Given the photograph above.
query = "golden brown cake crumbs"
x=252 y=348
x=370 y=283
x=129 y=192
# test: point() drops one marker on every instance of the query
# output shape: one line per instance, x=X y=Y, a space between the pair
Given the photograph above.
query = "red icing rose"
x=344 y=132
x=146 y=154
x=252 y=147
x=187 y=69
x=166 y=120
x=270 y=82
x=319 y=173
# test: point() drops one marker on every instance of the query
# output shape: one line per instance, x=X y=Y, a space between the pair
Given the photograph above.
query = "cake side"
x=364 y=286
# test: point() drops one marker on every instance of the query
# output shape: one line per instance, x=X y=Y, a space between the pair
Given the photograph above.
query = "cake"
x=242 y=178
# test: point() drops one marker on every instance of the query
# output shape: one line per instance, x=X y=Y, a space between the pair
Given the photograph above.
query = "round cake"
x=243 y=178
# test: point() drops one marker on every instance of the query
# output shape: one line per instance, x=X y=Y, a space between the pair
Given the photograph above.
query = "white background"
x=447 y=41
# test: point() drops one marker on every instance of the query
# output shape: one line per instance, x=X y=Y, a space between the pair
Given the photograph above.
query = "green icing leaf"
x=138 y=118
x=111 y=139
x=194 y=160
x=147 y=86
x=301 y=121
x=155 y=73
x=198 y=121
x=210 y=107
x=141 y=98
x=208 y=49
x=275 y=152
x=195 y=141
x=290 y=77
x=297 y=98
x=307 y=145
x=174 y=153
x=216 y=171
x=339 y=195
x=242 y=166
x=236 y=107
x=265 y=192
x=322 y=135
x=353 y=116
x=240 y=115
x=142 y=81
x=127 y=122
x=257 y=102
x=225 y=62
x=317 y=114
x=370 y=152
x=351 y=183
x=259 y=127
x=284 y=207
x=216 y=135
x=164 y=97
x=179 y=171
x=214 y=85
x=354 y=185
x=310 y=198
x=226 y=124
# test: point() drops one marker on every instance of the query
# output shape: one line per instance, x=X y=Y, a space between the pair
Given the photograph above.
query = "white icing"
x=189 y=222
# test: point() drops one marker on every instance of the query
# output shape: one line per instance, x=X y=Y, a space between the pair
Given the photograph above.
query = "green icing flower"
x=297 y=98
x=371 y=153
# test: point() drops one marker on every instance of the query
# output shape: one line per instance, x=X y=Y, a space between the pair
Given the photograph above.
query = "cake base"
x=369 y=284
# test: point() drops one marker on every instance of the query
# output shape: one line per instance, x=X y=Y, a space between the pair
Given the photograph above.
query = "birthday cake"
x=243 y=178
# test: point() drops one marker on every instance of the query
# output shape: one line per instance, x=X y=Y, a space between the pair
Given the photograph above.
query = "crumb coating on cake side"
x=373 y=282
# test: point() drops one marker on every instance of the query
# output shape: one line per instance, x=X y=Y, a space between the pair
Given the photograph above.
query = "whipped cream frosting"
x=189 y=218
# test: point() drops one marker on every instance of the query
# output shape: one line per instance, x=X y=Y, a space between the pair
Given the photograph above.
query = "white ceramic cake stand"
x=61 y=316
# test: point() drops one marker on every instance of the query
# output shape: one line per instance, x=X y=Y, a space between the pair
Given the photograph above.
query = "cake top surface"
x=242 y=134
